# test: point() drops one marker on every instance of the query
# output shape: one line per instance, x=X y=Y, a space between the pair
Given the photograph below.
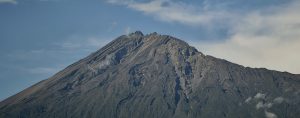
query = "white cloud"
x=96 y=42
x=102 y=64
x=259 y=105
x=266 y=37
x=127 y=30
x=112 y=26
x=170 y=11
x=270 y=114
x=260 y=96
x=91 y=43
x=263 y=105
x=261 y=39
x=44 y=70
x=278 y=100
x=248 y=99
x=262 y=102
x=8 y=1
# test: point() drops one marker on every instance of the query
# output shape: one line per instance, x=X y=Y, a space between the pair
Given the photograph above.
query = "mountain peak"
x=138 y=36
x=153 y=33
x=156 y=75
x=136 y=33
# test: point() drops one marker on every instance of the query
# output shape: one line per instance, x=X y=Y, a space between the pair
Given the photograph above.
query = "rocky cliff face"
x=157 y=76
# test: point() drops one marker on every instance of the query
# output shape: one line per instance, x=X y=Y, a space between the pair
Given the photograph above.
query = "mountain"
x=157 y=76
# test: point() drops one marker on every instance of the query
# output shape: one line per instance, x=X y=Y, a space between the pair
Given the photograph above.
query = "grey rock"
x=157 y=76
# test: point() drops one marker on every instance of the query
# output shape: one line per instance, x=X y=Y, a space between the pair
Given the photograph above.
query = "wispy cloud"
x=270 y=114
x=264 y=38
x=263 y=105
x=170 y=11
x=127 y=30
x=44 y=70
x=36 y=70
x=248 y=99
x=112 y=26
x=260 y=96
x=263 y=102
x=8 y=1
x=35 y=62
x=82 y=43
x=278 y=100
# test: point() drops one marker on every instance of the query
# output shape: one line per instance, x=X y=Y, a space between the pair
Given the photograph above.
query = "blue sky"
x=40 y=37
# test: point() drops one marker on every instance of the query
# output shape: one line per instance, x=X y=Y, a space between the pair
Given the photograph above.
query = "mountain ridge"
x=154 y=75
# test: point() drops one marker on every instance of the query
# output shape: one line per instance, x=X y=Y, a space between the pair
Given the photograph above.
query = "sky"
x=38 y=38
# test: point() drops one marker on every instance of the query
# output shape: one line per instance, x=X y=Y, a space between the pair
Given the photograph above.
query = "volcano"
x=157 y=76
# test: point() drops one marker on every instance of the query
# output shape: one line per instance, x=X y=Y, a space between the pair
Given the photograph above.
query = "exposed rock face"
x=157 y=76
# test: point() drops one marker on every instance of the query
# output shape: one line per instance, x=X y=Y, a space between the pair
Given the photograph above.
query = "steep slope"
x=157 y=76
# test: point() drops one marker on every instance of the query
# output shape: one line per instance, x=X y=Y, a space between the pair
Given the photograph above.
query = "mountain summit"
x=157 y=76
